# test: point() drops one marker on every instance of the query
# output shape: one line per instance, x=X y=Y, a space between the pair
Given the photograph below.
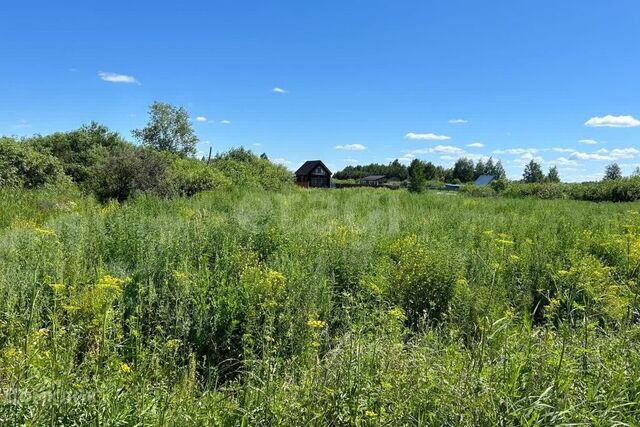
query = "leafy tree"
x=533 y=172
x=636 y=172
x=612 y=172
x=431 y=171
x=417 y=180
x=169 y=129
x=553 y=175
x=463 y=170
x=480 y=169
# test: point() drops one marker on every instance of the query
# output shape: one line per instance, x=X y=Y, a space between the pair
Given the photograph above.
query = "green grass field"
x=336 y=307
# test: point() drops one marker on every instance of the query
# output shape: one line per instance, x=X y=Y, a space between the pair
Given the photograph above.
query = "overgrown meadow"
x=317 y=307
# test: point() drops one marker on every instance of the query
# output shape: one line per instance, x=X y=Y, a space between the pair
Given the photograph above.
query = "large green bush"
x=22 y=166
x=78 y=150
x=127 y=171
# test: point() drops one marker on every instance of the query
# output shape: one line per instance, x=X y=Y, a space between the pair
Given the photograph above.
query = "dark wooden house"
x=373 y=180
x=313 y=173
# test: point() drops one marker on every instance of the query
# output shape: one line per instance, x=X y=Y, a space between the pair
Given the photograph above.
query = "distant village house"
x=314 y=174
x=374 y=180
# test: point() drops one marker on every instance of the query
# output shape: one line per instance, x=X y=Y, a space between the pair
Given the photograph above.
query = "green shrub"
x=78 y=150
x=423 y=279
x=128 y=170
x=21 y=166
x=247 y=170
x=189 y=176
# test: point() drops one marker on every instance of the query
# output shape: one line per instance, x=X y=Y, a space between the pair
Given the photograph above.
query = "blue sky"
x=360 y=81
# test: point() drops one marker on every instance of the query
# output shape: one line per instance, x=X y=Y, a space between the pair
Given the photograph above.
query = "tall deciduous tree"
x=463 y=170
x=169 y=129
x=533 y=172
x=612 y=171
x=417 y=179
x=553 y=175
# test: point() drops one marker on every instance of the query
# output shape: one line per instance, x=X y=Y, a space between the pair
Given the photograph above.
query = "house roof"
x=309 y=166
x=373 y=177
x=484 y=180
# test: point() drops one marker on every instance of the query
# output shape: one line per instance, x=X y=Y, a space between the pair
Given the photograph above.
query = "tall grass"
x=365 y=307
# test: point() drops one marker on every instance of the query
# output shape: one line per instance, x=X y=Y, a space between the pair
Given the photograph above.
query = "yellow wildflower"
x=316 y=324
x=57 y=287
x=370 y=414
x=124 y=368
x=397 y=313
x=44 y=231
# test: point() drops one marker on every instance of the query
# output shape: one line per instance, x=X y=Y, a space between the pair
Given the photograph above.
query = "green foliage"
x=463 y=170
x=618 y=190
x=78 y=150
x=189 y=176
x=612 y=172
x=533 y=173
x=247 y=170
x=22 y=166
x=169 y=129
x=316 y=308
x=127 y=171
x=394 y=170
x=553 y=175
x=417 y=179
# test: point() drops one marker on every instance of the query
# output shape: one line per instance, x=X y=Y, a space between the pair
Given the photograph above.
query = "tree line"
x=163 y=162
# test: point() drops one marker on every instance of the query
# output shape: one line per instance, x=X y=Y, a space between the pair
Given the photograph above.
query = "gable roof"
x=309 y=166
x=373 y=177
x=484 y=180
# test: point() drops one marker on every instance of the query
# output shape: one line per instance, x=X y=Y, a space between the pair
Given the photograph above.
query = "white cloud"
x=590 y=156
x=351 y=161
x=624 y=153
x=517 y=151
x=201 y=119
x=588 y=141
x=22 y=124
x=476 y=145
x=563 y=150
x=446 y=149
x=256 y=144
x=526 y=158
x=351 y=147
x=610 y=121
x=117 y=78
x=458 y=121
x=279 y=90
x=225 y=122
x=426 y=137
x=563 y=161
x=605 y=155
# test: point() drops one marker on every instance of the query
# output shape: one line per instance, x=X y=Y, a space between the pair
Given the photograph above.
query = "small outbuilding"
x=484 y=180
x=313 y=173
x=373 y=180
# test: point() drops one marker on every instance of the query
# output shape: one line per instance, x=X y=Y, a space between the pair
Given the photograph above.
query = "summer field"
x=335 y=307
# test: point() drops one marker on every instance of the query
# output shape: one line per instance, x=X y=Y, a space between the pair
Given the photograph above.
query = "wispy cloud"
x=117 y=78
x=476 y=145
x=610 y=121
x=458 y=121
x=588 y=141
x=438 y=149
x=426 y=137
x=225 y=122
x=256 y=144
x=516 y=151
x=279 y=90
x=22 y=124
x=607 y=155
x=201 y=119
x=351 y=147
